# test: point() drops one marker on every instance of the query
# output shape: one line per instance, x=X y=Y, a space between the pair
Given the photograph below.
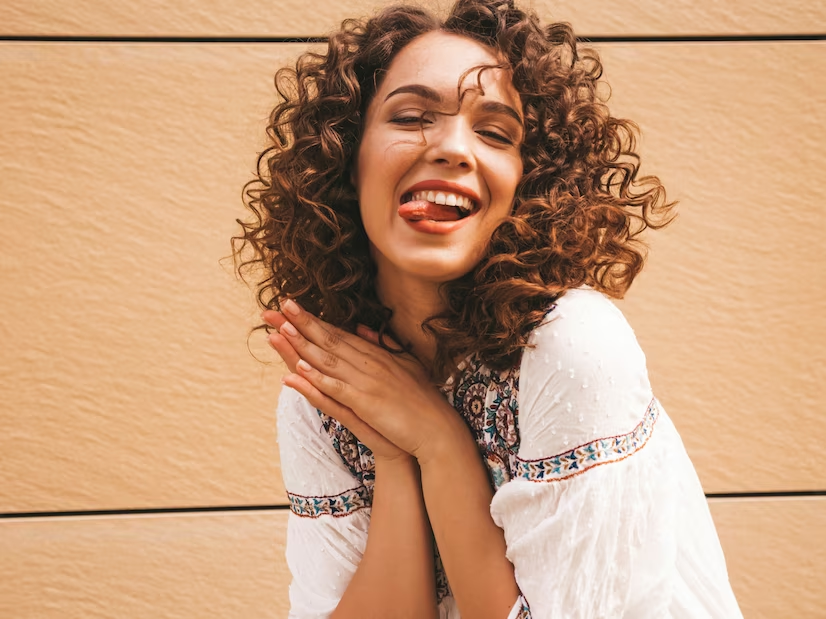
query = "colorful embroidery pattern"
x=587 y=456
x=487 y=401
x=339 y=505
x=356 y=456
x=524 y=611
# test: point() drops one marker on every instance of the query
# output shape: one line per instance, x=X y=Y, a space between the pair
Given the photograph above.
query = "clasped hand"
x=386 y=400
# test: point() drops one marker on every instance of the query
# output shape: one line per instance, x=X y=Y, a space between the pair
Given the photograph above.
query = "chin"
x=439 y=271
x=437 y=266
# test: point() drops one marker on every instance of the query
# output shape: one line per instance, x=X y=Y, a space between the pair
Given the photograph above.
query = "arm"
x=354 y=561
x=589 y=502
x=371 y=392
x=318 y=485
x=457 y=493
x=395 y=576
x=604 y=516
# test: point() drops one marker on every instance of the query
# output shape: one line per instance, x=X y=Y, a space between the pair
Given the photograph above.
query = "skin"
x=429 y=475
x=476 y=148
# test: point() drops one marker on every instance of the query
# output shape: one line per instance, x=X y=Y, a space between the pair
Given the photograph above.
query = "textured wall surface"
x=292 y=17
x=126 y=382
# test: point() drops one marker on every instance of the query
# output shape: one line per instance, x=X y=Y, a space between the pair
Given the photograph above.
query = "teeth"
x=448 y=199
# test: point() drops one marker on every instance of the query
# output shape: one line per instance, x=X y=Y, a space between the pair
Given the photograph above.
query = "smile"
x=437 y=206
x=462 y=203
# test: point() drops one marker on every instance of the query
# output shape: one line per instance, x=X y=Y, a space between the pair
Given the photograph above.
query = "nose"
x=452 y=144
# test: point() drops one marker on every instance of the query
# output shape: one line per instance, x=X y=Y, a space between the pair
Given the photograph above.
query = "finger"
x=321 y=333
x=273 y=318
x=284 y=349
x=365 y=433
x=332 y=386
x=354 y=399
x=330 y=362
x=366 y=333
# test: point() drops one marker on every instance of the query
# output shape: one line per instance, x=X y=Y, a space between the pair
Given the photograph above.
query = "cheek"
x=509 y=175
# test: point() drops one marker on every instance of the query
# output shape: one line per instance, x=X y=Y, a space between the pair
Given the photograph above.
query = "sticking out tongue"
x=417 y=210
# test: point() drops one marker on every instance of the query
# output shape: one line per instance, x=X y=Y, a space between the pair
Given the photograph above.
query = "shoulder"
x=585 y=319
x=584 y=332
x=297 y=419
x=310 y=464
x=586 y=374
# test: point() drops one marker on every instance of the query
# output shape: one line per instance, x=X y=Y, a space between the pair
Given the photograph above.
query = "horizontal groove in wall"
x=765 y=495
x=145 y=510
x=745 y=38
x=246 y=508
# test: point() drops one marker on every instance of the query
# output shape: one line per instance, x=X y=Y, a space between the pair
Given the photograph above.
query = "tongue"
x=422 y=209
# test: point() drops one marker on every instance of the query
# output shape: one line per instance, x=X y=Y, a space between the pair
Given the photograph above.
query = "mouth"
x=436 y=206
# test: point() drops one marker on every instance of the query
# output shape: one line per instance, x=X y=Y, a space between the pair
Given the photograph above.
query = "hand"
x=382 y=448
x=386 y=400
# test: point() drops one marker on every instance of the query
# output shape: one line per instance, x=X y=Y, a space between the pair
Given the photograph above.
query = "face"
x=434 y=184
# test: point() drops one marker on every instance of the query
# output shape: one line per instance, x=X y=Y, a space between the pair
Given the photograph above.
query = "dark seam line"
x=760 y=495
x=148 y=510
x=699 y=38
x=247 y=508
x=157 y=39
x=704 y=38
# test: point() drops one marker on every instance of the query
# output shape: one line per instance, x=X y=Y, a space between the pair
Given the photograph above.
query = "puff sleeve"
x=329 y=517
x=604 y=515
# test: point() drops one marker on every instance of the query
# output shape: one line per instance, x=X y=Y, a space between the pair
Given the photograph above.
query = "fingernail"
x=304 y=365
x=289 y=329
x=291 y=307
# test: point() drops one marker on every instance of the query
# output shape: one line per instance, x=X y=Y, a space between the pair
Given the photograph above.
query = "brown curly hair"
x=576 y=217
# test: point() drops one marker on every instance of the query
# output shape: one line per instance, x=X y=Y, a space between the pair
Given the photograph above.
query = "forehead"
x=439 y=60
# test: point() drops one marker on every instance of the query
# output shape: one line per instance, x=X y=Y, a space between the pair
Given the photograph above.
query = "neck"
x=412 y=300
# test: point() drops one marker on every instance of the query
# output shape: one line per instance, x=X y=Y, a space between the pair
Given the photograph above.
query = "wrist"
x=451 y=438
x=399 y=464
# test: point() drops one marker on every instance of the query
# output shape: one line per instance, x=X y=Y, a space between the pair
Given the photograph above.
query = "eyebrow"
x=426 y=92
x=495 y=107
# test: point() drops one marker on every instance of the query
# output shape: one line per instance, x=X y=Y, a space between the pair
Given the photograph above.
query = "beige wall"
x=125 y=379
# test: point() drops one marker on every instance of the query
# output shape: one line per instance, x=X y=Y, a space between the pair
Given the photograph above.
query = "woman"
x=467 y=425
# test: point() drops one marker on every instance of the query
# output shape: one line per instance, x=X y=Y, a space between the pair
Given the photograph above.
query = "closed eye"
x=409 y=120
x=496 y=136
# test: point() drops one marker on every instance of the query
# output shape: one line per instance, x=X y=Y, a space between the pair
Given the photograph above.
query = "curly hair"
x=576 y=218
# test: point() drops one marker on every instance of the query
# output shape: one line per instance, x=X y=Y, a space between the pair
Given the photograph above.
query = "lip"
x=442 y=227
x=449 y=186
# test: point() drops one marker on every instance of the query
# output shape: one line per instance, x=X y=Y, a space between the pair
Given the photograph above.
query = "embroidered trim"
x=361 y=463
x=524 y=610
x=355 y=455
x=442 y=586
x=486 y=399
x=343 y=504
x=587 y=456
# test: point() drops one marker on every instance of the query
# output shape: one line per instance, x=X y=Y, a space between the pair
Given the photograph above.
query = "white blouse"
x=602 y=511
